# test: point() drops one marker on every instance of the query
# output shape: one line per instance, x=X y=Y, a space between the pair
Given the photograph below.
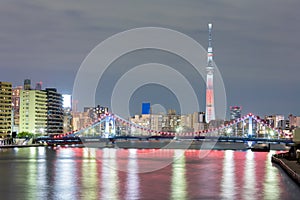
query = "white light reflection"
x=228 y=187
x=32 y=174
x=89 y=174
x=109 y=174
x=41 y=151
x=41 y=172
x=65 y=179
x=249 y=177
x=132 y=177
x=179 y=185
x=271 y=187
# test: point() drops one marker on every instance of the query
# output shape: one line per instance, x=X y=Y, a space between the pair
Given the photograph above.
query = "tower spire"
x=210 y=107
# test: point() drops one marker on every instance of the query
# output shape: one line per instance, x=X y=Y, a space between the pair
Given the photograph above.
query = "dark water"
x=81 y=173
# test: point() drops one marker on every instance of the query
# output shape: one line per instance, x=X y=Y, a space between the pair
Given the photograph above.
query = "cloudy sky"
x=256 y=43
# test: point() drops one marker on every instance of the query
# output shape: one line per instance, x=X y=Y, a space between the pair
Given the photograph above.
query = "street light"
x=229 y=131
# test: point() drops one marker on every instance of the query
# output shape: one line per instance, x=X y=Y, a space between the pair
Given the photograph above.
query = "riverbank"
x=158 y=144
x=291 y=167
x=20 y=146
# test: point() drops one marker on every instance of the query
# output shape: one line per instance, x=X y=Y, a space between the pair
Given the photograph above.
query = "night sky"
x=256 y=45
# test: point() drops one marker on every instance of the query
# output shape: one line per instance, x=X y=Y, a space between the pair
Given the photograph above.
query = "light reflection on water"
x=271 y=182
x=179 y=190
x=110 y=182
x=132 y=181
x=79 y=173
x=228 y=190
x=249 y=187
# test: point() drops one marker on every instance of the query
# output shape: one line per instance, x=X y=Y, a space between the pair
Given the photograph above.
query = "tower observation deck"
x=210 y=107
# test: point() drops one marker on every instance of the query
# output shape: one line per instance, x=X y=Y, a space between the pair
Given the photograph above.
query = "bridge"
x=249 y=128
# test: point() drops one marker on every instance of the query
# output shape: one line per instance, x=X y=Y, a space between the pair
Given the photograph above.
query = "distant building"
x=54 y=111
x=100 y=110
x=5 y=109
x=199 y=123
x=67 y=113
x=38 y=85
x=27 y=84
x=149 y=121
x=156 y=122
x=33 y=111
x=91 y=113
x=273 y=120
x=146 y=108
x=235 y=112
x=16 y=108
x=186 y=122
x=141 y=120
x=67 y=120
x=294 y=121
x=83 y=119
x=284 y=124
x=171 y=121
x=216 y=123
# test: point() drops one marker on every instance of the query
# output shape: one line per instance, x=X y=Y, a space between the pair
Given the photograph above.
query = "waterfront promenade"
x=291 y=167
x=20 y=145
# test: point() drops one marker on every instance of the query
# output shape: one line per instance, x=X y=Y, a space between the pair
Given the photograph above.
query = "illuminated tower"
x=210 y=107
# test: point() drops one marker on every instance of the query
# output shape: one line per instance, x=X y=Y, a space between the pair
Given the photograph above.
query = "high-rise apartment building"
x=5 y=109
x=16 y=108
x=33 y=111
x=55 y=113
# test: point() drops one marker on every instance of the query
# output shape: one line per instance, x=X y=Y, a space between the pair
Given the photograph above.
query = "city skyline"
x=47 y=41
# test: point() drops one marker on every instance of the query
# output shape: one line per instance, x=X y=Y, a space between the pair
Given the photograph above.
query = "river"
x=90 y=173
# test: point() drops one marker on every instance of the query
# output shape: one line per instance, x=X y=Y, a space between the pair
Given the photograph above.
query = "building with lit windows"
x=33 y=111
x=199 y=123
x=83 y=119
x=156 y=122
x=67 y=118
x=142 y=120
x=235 y=112
x=186 y=123
x=55 y=114
x=27 y=84
x=294 y=121
x=16 y=108
x=273 y=120
x=171 y=121
x=5 y=109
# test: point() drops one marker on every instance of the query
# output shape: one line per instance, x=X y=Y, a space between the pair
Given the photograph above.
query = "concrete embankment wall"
x=288 y=169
